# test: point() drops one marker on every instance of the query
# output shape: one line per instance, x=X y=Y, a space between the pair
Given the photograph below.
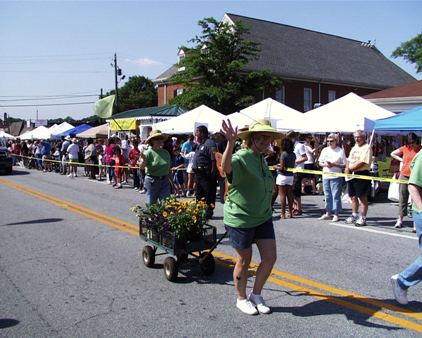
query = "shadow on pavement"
x=358 y=312
x=7 y=322
x=36 y=221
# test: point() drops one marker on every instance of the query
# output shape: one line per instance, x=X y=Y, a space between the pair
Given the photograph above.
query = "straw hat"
x=259 y=126
x=156 y=134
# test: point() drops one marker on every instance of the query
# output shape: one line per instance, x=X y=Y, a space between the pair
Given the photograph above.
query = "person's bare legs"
x=240 y=272
x=282 y=193
x=268 y=252
x=364 y=202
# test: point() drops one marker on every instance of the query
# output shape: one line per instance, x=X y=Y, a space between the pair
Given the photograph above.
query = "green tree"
x=137 y=92
x=411 y=51
x=214 y=69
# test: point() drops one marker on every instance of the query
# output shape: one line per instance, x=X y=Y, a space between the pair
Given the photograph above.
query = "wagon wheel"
x=148 y=256
x=170 y=269
x=207 y=265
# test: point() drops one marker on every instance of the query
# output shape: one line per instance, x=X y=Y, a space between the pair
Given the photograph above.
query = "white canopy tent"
x=239 y=120
x=40 y=133
x=186 y=123
x=5 y=135
x=94 y=132
x=53 y=128
x=346 y=114
x=61 y=128
x=279 y=114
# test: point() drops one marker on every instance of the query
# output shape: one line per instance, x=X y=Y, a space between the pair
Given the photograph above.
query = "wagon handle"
x=212 y=248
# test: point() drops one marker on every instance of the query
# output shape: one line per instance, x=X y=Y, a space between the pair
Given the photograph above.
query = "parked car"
x=6 y=161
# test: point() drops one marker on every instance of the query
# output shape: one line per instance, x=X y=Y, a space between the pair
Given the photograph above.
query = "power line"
x=50 y=98
x=45 y=105
x=91 y=92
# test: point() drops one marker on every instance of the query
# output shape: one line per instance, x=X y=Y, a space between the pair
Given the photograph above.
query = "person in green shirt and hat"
x=248 y=209
x=156 y=161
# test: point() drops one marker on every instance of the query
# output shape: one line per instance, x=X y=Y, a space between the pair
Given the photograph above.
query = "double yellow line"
x=361 y=304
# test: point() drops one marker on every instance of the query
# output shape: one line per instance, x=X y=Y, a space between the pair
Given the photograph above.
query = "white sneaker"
x=335 y=218
x=70 y=175
x=246 y=306
x=351 y=220
x=398 y=225
x=399 y=294
x=260 y=304
x=324 y=217
x=143 y=191
x=360 y=222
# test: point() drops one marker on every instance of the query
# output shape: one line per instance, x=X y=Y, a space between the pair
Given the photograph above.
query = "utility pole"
x=117 y=74
x=116 y=71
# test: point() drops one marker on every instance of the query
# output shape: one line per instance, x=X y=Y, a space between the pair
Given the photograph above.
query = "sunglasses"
x=330 y=141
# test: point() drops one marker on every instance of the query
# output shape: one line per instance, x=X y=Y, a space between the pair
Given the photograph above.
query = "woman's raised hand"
x=228 y=131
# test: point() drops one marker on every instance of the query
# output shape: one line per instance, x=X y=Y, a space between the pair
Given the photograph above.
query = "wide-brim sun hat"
x=156 y=134
x=259 y=126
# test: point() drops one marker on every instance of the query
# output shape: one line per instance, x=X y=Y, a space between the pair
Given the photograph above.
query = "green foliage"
x=214 y=69
x=137 y=92
x=411 y=51
x=184 y=219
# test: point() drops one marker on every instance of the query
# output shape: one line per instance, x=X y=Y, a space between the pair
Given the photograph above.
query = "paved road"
x=70 y=267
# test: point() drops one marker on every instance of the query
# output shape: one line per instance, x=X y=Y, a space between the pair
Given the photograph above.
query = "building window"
x=279 y=95
x=331 y=95
x=177 y=92
x=307 y=99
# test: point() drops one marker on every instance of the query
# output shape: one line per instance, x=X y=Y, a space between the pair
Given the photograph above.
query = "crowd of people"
x=252 y=169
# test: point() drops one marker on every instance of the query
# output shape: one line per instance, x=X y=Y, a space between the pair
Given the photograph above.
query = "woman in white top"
x=332 y=159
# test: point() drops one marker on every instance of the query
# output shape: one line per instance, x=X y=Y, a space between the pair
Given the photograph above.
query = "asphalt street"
x=70 y=266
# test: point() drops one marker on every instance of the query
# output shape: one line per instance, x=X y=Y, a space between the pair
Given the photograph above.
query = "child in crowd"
x=178 y=162
x=119 y=161
x=191 y=175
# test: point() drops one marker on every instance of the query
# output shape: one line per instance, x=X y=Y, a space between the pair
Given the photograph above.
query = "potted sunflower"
x=172 y=221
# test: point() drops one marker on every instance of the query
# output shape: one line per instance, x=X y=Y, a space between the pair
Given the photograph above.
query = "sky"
x=60 y=52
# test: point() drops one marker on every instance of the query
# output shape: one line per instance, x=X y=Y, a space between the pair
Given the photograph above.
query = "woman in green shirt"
x=248 y=211
x=156 y=161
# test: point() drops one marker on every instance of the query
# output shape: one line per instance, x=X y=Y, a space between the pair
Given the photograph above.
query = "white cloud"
x=145 y=62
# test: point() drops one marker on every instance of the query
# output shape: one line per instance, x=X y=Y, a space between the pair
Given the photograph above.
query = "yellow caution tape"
x=294 y=170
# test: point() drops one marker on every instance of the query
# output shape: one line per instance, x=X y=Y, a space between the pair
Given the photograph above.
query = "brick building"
x=316 y=68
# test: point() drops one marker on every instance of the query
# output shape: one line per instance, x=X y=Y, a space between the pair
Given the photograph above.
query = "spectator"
x=119 y=161
x=91 y=159
x=412 y=275
x=301 y=157
x=64 y=156
x=134 y=155
x=73 y=152
x=405 y=155
x=178 y=162
x=359 y=163
x=332 y=160
x=284 y=179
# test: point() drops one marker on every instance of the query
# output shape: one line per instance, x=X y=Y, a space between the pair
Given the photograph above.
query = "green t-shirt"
x=158 y=162
x=250 y=189
x=416 y=174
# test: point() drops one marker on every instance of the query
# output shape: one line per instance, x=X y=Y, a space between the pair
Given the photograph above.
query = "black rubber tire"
x=148 y=256
x=170 y=269
x=208 y=265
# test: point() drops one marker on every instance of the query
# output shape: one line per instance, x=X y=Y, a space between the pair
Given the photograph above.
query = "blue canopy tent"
x=73 y=131
x=409 y=120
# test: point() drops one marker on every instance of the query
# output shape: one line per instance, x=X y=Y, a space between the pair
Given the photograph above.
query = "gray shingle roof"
x=299 y=53
x=168 y=110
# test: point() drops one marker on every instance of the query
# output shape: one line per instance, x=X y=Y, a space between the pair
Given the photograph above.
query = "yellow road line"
x=276 y=274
